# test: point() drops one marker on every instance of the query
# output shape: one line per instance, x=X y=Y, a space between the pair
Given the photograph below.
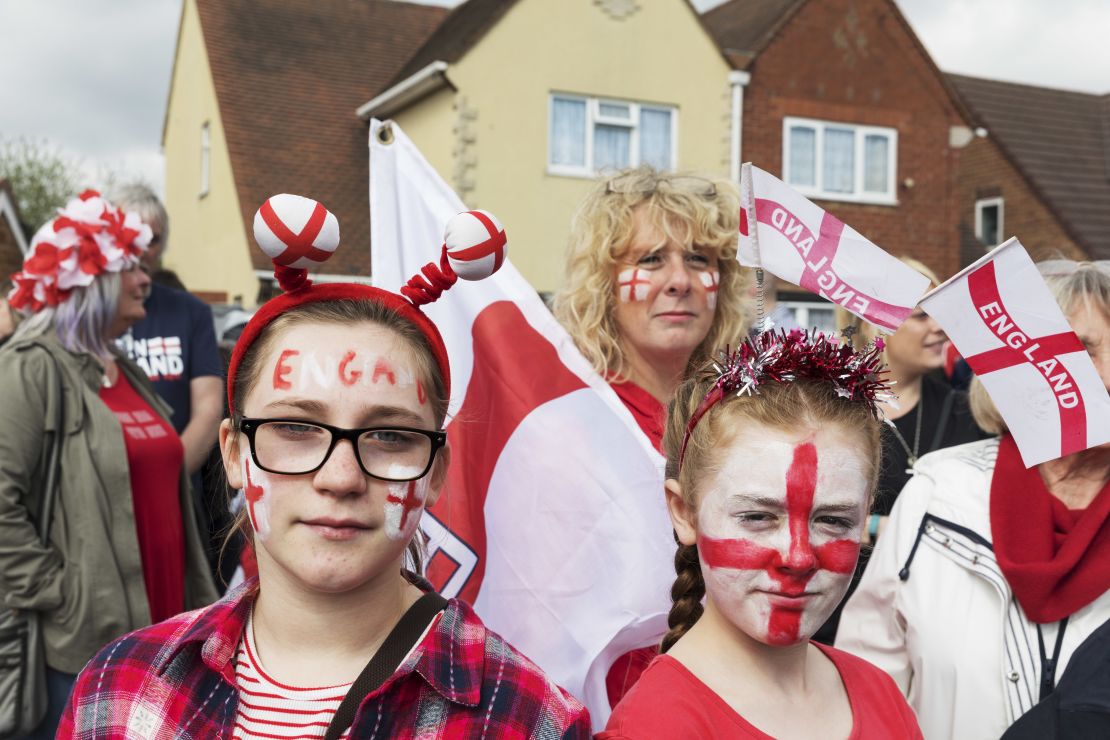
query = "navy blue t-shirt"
x=175 y=343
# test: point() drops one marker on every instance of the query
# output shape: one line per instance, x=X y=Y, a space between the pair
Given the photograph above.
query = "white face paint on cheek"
x=710 y=280
x=404 y=503
x=633 y=284
x=256 y=485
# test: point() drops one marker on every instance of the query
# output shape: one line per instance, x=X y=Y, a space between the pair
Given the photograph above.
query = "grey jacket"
x=88 y=583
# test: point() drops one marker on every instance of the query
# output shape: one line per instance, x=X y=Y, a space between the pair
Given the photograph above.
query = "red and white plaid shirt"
x=176 y=679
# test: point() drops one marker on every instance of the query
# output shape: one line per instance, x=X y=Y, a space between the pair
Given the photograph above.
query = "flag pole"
x=749 y=207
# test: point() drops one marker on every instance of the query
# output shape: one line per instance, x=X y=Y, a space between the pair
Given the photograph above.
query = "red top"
x=154 y=458
x=671 y=702
x=1056 y=560
x=646 y=409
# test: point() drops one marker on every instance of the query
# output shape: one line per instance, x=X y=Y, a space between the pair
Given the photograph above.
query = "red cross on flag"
x=553 y=522
x=1004 y=321
x=786 y=234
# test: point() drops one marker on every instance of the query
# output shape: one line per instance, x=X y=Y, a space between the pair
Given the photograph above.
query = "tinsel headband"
x=298 y=233
x=782 y=357
x=87 y=238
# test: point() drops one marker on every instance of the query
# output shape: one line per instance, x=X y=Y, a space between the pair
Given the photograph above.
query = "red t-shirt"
x=671 y=702
x=154 y=457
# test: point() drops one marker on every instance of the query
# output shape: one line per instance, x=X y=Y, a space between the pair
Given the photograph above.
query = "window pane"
x=614 y=110
x=803 y=156
x=989 y=226
x=611 y=145
x=655 y=138
x=876 y=153
x=840 y=157
x=568 y=132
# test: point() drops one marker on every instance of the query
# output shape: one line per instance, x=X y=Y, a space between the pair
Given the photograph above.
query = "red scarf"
x=1056 y=560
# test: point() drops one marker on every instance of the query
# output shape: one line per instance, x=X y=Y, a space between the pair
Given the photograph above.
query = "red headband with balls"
x=298 y=233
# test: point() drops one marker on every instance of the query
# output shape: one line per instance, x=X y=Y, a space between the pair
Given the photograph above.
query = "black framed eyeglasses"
x=297 y=446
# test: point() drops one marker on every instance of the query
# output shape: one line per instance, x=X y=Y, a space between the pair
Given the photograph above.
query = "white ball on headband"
x=476 y=245
x=295 y=231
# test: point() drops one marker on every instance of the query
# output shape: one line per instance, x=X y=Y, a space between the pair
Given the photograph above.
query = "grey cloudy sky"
x=92 y=76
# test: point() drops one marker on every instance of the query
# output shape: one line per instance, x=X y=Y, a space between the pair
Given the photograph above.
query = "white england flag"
x=553 y=522
x=1004 y=321
x=784 y=233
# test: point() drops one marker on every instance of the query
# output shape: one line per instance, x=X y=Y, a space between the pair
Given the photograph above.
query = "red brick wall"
x=854 y=61
x=984 y=172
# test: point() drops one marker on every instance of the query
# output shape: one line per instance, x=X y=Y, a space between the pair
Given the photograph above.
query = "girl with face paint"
x=338 y=396
x=769 y=485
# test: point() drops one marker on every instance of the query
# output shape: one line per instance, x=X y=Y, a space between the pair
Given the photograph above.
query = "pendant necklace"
x=911 y=455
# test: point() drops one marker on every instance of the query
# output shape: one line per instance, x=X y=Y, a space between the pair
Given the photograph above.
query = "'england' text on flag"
x=1004 y=321
x=553 y=522
x=784 y=233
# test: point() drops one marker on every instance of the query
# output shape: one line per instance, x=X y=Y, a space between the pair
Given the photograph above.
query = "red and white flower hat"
x=87 y=238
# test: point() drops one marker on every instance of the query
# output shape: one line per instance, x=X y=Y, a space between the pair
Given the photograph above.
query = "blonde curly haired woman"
x=652 y=284
x=652 y=287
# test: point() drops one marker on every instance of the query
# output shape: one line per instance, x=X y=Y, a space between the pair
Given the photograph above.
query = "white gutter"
x=8 y=210
x=737 y=79
x=404 y=92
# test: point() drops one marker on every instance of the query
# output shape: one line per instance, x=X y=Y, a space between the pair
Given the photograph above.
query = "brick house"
x=1040 y=171
x=508 y=99
x=13 y=240
x=847 y=106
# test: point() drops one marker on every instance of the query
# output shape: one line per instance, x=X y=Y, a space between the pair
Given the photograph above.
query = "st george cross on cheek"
x=779 y=530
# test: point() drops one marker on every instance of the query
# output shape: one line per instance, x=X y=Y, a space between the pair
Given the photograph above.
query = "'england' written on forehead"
x=792 y=573
x=300 y=370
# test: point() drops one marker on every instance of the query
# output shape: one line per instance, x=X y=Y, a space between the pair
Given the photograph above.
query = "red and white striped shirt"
x=271 y=709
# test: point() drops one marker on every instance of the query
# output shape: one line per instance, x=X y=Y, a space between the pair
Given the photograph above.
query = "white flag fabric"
x=784 y=233
x=553 y=522
x=1003 y=319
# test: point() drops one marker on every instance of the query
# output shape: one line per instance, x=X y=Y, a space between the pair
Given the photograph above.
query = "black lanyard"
x=1048 y=666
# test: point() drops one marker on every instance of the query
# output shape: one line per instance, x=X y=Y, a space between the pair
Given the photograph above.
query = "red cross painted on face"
x=633 y=284
x=711 y=280
x=410 y=502
x=791 y=573
x=253 y=495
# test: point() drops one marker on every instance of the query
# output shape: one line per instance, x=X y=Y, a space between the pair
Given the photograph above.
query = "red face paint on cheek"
x=383 y=369
x=792 y=574
x=281 y=369
x=254 y=495
x=348 y=377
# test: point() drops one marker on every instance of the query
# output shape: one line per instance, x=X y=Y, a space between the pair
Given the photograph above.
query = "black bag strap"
x=396 y=646
x=942 y=422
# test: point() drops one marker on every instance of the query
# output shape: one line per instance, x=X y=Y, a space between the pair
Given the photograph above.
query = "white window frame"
x=801 y=310
x=594 y=117
x=205 y=158
x=859 y=195
x=980 y=205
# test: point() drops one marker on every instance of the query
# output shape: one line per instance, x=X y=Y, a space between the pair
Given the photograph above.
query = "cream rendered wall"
x=658 y=54
x=429 y=124
x=208 y=245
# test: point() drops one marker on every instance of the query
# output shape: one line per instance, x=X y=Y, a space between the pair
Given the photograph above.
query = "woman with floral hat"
x=122 y=547
x=338 y=396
